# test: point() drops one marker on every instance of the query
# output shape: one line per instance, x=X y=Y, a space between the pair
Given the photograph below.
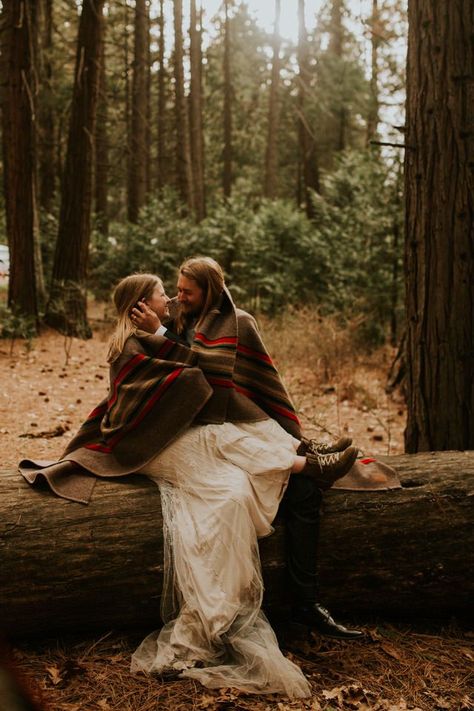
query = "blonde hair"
x=208 y=275
x=128 y=291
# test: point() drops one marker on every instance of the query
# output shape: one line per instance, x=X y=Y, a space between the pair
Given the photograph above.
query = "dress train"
x=220 y=487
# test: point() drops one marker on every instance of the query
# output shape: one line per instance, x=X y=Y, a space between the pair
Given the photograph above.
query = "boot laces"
x=318 y=447
x=325 y=460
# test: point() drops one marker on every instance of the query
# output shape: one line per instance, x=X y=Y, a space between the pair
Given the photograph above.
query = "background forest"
x=210 y=134
x=323 y=152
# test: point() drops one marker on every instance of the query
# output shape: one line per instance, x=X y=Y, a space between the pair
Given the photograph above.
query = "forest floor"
x=47 y=388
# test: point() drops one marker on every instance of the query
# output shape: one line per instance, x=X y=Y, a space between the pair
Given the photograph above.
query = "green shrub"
x=347 y=260
x=270 y=252
x=14 y=325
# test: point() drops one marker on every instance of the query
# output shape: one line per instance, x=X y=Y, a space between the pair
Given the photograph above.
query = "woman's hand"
x=144 y=318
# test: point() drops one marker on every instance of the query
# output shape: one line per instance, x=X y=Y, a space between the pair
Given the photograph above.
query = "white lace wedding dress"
x=220 y=486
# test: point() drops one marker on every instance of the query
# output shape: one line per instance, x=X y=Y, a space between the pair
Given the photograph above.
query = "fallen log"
x=69 y=567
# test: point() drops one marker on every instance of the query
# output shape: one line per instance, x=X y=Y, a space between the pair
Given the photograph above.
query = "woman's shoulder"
x=131 y=348
x=134 y=344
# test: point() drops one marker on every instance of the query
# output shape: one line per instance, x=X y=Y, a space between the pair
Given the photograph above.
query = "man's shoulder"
x=246 y=324
x=244 y=316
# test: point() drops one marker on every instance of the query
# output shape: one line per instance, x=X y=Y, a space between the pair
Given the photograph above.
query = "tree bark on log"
x=400 y=553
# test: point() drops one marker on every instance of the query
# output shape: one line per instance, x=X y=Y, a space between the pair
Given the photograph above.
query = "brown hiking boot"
x=311 y=446
x=328 y=468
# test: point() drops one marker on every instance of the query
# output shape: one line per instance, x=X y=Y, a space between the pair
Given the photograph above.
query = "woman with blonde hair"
x=132 y=291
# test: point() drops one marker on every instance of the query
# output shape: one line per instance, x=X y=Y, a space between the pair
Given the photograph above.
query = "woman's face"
x=158 y=302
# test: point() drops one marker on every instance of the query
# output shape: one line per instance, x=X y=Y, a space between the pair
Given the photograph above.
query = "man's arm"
x=145 y=319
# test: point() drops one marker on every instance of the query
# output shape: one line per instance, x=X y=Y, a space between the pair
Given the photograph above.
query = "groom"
x=201 y=291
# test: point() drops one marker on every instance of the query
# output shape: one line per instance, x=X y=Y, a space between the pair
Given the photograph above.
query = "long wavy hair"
x=208 y=275
x=128 y=291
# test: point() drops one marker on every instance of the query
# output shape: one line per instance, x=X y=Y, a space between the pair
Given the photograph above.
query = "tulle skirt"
x=220 y=486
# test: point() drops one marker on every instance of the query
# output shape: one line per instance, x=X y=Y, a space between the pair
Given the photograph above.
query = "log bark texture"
x=70 y=567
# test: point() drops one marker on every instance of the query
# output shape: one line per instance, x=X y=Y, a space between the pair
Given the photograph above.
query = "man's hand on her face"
x=144 y=318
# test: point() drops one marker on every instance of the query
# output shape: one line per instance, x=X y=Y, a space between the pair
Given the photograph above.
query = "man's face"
x=190 y=296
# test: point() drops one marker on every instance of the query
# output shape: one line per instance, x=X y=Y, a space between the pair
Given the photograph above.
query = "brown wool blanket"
x=158 y=388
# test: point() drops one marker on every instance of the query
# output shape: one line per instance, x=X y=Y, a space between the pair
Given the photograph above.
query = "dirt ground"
x=49 y=386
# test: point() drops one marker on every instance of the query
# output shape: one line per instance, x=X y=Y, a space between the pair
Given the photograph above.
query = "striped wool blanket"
x=246 y=384
x=159 y=387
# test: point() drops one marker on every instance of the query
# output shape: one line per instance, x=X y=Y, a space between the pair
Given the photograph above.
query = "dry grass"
x=322 y=344
x=394 y=669
x=337 y=387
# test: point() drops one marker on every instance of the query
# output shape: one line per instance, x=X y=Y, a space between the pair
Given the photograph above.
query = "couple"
x=198 y=406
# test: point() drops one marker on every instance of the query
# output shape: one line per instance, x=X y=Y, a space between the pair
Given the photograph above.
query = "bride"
x=220 y=486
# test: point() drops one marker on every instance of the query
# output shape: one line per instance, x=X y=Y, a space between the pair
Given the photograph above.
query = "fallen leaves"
x=355 y=698
x=427 y=672
x=54 y=675
x=63 y=673
x=391 y=650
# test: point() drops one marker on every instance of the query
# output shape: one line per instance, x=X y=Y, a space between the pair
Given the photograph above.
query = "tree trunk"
x=197 y=138
x=102 y=150
x=227 y=153
x=336 y=35
x=67 y=307
x=18 y=42
x=183 y=153
x=149 y=135
x=396 y=243
x=271 y=158
x=336 y=50
x=307 y=144
x=439 y=198
x=161 y=143
x=405 y=553
x=47 y=162
x=373 y=113
x=138 y=137
x=127 y=102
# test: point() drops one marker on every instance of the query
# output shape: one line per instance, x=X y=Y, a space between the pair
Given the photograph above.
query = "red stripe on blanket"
x=255 y=354
x=132 y=363
x=169 y=380
x=276 y=408
x=286 y=413
x=107 y=449
x=165 y=349
x=220 y=382
x=98 y=448
x=99 y=410
x=252 y=396
x=230 y=340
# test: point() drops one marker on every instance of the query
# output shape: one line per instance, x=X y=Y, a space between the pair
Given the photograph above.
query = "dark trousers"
x=300 y=508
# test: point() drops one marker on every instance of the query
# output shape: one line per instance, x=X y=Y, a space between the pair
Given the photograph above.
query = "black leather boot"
x=317 y=617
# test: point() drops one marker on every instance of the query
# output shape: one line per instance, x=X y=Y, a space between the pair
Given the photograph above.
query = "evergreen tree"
x=139 y=148
x=67 y=306
x=271 y=156
x=18 y=100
